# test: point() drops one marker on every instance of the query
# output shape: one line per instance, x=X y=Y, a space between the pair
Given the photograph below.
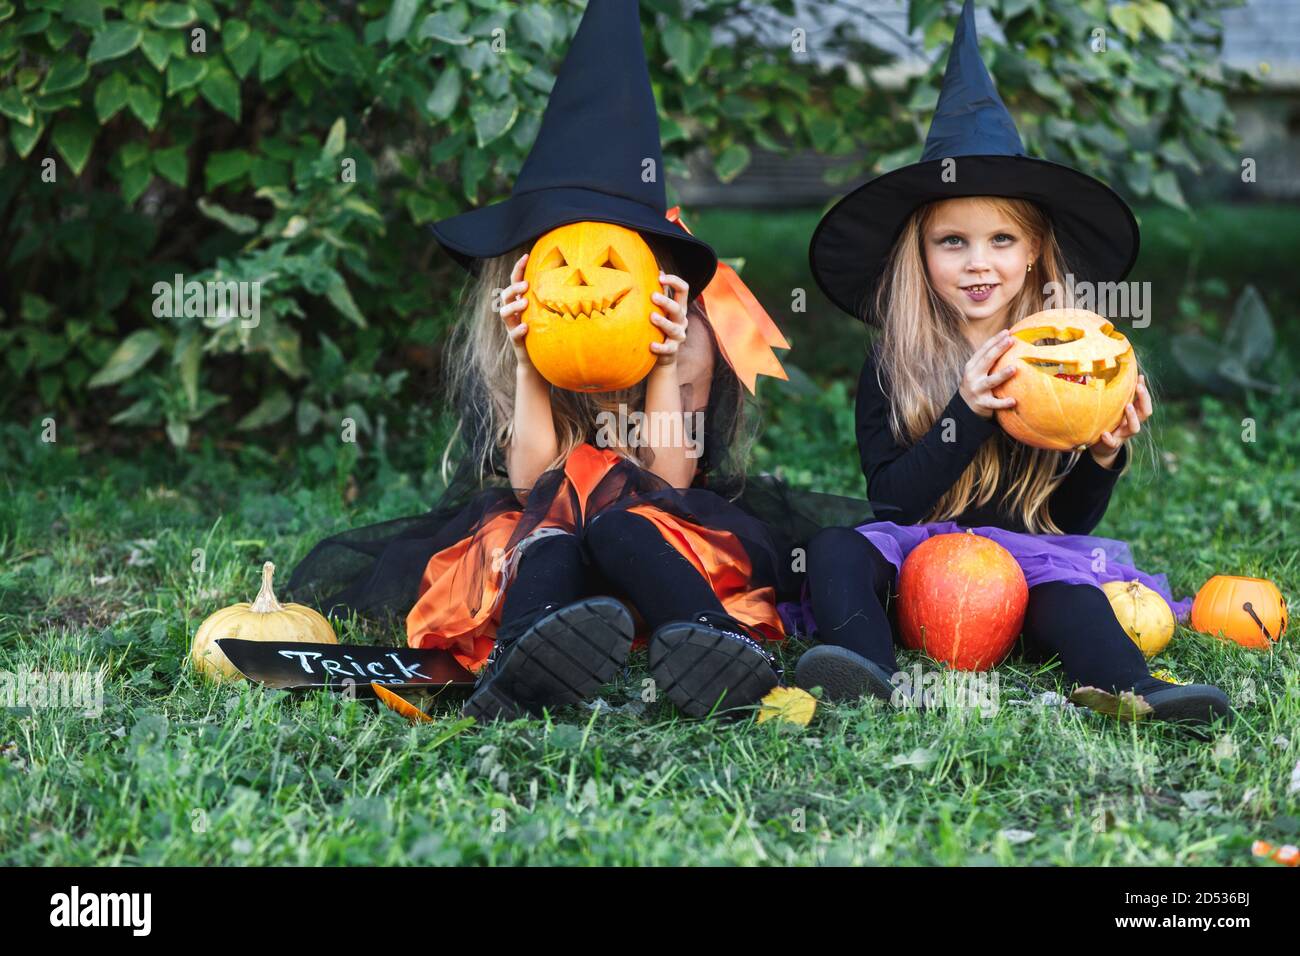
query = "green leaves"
x=110 y=96
x=128 y=358
x=492 y=120
x=145 y=103
x=399 y=19
x=68 y=72
x=446 y=92
x=1249 y=345
x=184 y=73
x=341 y=298
x=731 y=162
x=277 y=56
x=275 y=407
x=86 y=13
x=73 y=137
x=220 y=88
x=116 y=39
x=16 y=106
x=687 y=45
x=172 y=16
x=172 y=164
x=226 y=166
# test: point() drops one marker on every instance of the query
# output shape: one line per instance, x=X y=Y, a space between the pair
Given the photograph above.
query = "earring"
x=1030 y=267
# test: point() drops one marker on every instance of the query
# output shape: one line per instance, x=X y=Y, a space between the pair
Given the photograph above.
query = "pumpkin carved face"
x=1075 y=375
x=1250 y=611
x=588 y=313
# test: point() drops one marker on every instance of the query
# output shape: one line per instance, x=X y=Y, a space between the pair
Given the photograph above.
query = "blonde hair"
x=480 y=376
x=918 y=322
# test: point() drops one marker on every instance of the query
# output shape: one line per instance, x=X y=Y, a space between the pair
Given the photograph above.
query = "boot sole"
x=840 y=674
x=698 y=669
x=565 y=657
x=1191 y=709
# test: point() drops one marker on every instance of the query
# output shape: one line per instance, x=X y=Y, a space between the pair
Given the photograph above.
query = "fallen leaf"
x=398 y=705
x=1126 y=705
x=788 y=704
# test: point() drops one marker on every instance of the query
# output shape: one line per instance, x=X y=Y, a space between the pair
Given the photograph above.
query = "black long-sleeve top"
x=913 y=478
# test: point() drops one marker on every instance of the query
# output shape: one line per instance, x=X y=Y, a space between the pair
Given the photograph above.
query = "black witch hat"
x=1093 y=225
x=596 y=157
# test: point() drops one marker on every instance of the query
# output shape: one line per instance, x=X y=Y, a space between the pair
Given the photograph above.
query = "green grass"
x=179 y=772
x=97 y=574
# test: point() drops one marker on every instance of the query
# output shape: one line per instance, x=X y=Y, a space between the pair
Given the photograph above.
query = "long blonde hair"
x=480 y=377
x=923 y=353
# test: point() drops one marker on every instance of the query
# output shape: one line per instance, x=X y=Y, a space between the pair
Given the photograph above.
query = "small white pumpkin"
x=266 y=619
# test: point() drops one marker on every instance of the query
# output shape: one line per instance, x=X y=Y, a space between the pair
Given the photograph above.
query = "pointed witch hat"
x=597 y=155
x=1093 y=225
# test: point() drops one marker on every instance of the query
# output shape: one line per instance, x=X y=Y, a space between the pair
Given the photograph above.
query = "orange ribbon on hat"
x=745 y=332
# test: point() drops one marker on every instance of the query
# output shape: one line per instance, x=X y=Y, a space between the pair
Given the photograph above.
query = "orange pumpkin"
x=961 y=599
x=1250 y=611
x=588 y=313
x=1074 y=376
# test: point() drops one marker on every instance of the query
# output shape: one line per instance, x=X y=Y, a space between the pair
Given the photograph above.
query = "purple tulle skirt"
x=1070 y=558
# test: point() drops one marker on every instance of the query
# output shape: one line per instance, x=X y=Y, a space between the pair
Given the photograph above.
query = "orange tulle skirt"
x=461 y=591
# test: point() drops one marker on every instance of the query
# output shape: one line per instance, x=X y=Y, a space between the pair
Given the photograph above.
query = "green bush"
x=306 y=145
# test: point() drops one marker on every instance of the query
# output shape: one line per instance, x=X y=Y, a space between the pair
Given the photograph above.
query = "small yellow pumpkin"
x=588 y=313
x=1143 y=614
x=266 y=619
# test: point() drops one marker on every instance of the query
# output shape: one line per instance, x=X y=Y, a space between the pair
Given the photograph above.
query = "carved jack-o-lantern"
x=1250 y=611
x=588 y=314
x=1075 y=375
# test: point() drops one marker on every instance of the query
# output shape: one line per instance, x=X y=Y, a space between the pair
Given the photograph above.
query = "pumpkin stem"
x=265 y=603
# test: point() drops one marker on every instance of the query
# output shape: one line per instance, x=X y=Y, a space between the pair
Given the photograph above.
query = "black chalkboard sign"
x=344 y=668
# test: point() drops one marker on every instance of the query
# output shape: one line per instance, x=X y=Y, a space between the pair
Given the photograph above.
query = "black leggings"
x=619 y=553
x=849 y=580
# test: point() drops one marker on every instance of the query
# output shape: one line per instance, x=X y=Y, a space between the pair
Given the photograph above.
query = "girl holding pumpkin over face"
x=944 y=256
x=529 y=583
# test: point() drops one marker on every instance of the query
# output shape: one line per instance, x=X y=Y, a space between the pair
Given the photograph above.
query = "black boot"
x=711 y=661
x=557 y=656
x=1184 y=703
x=843 y=674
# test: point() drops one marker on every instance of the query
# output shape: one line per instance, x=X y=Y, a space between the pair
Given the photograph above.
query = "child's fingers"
x=510 y=314
x=517 y=273
x=1131 y=419
x=513 y=292
x=664 y=348
x=677 y=309
x=681 y=291
x=1145 y=406
x=1001 y=403
x=674 y=330
x=984 y=357
x=518 y=332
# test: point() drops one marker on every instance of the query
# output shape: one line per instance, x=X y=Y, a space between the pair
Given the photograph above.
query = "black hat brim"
x=494 y=230
x=1094 y=227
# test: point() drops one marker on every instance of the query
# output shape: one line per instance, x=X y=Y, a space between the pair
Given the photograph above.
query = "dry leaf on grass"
x=1126 y=705
x=789 y=704
x=398 y=705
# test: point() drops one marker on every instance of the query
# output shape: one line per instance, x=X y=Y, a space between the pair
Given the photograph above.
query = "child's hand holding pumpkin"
x=513 y=304
x=674 y=324
x=1106 y=449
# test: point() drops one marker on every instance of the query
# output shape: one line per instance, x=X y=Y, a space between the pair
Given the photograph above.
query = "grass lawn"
x=97 y=573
